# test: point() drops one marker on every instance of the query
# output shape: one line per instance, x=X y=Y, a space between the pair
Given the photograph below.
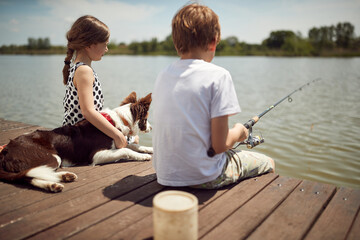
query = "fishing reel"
x=251 y=141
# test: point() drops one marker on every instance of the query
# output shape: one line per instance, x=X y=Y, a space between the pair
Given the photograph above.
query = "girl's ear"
x=89 y=47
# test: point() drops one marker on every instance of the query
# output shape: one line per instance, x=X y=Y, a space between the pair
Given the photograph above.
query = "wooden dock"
x=114 y=201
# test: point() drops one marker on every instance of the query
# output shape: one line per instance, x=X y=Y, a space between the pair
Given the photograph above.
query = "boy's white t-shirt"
x=187 y=94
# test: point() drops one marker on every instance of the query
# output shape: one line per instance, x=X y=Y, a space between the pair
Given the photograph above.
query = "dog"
x=34 y=157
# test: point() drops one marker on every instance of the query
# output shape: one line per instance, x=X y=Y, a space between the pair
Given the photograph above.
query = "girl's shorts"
x=240 y=165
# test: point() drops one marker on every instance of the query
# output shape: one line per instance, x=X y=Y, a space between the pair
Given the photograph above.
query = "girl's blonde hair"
x=85 y=31
x=195 y=26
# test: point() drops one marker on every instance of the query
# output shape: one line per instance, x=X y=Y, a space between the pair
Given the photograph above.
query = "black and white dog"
x=34 y=157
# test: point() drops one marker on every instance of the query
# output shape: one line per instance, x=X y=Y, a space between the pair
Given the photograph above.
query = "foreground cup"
x=175 y=215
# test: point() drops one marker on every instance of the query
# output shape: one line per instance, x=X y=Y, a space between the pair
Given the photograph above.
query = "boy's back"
x=186 y=96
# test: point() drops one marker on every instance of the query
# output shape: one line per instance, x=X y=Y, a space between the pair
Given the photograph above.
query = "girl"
x=87 y=42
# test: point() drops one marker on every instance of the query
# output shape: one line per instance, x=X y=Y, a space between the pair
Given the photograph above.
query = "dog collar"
x=107 y=116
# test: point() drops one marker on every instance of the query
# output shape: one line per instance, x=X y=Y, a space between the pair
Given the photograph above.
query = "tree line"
x=334 y=40
x=325 y=39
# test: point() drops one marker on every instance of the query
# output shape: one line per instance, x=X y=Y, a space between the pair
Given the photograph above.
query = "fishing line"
x=266 y=130
x=274 y=123
x=253 y=141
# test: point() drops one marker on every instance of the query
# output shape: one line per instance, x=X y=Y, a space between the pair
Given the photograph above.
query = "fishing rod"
x=253 y=141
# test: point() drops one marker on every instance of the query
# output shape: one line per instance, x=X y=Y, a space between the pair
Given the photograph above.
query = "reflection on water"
x=315 y=137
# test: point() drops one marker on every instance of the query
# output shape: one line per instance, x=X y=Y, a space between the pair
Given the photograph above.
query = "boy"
x=192 y=100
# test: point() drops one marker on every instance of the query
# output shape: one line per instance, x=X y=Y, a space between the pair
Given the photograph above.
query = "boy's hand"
x=246 y=133
x=243 y=132
x=223 y=138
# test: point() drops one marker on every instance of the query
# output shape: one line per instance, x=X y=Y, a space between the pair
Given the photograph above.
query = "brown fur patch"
x=140 y=110
x=129 y=99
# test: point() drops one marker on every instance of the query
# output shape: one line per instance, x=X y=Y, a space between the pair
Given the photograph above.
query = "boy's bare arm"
x=223 y=138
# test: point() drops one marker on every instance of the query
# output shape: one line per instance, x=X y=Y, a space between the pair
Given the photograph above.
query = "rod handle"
x=251 y=122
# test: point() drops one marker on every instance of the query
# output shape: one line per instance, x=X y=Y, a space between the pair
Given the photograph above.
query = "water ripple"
x=315 y=137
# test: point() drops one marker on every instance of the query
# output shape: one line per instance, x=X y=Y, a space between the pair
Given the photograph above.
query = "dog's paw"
x=68 y=177
x=145 y=157
x=146 y=149
x=140 y=149
x=55 y=187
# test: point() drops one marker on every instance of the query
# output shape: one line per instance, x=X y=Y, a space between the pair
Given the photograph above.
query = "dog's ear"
x=129 y=99
x=146 y=100
x=139 y=110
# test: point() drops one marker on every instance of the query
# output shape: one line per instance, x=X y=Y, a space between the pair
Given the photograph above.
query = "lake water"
x=315 y=137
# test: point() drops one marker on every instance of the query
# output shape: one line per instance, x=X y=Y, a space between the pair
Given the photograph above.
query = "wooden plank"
x=38 y=221
x=5 y=136
x=221 y=208
x=294 y=217
x=338 y=217
x=35 y=200
x=34 y=194
x=9 y=190
x=118 y=222
x=354 y=233
x=245 y=219
x=6 y=125
x=143 y=229
x=131 y=216
x=99 y=214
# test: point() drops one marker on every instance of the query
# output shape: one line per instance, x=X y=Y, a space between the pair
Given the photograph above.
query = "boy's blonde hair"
x=195 y=26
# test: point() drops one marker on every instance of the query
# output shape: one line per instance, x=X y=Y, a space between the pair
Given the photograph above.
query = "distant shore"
x=267 y=52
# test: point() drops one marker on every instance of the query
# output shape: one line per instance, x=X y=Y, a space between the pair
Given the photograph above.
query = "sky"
x=250 y=21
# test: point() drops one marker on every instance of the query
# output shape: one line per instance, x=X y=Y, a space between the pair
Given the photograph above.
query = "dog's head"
x=139 y=110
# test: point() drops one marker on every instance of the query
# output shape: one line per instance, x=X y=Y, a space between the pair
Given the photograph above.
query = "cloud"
x=13 y=25
x=14 y=22
x=48 y=18
x=254 y=22
x=250 y=21
x=108 y=10
x=124 y=19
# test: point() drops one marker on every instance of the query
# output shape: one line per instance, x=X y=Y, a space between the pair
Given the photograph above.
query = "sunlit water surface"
x=315 y=137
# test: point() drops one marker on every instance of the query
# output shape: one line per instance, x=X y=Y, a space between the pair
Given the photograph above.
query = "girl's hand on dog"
x=120 y=140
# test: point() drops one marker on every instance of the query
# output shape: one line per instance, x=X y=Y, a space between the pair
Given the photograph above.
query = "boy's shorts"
x=238 y=166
